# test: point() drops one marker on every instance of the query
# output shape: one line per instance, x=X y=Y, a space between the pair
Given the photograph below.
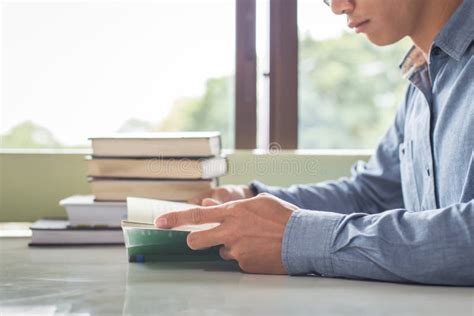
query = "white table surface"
x=99 y=280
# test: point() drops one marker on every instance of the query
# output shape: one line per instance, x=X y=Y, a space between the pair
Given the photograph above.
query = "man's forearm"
x=335 y=196
x=366 y=190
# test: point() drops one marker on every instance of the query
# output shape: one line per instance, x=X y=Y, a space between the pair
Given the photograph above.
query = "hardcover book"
x=145 y=242
x=83 y=210
x=156 y=168
x=57 y=232
x=118 y=189
x=180 y=144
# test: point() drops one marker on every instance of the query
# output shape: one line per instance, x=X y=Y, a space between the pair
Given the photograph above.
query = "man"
x=405 y=216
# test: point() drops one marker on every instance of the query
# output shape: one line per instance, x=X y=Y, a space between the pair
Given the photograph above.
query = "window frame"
x=283 y=75
x=245 y=75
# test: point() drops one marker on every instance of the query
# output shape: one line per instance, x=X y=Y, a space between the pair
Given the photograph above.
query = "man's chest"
x=437 y=157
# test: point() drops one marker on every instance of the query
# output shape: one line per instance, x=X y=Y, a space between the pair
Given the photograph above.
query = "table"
x=99 y=280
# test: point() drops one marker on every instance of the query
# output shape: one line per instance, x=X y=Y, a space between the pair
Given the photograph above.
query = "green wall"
x=31 y=184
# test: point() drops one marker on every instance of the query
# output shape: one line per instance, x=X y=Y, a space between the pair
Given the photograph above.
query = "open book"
x=145 y=242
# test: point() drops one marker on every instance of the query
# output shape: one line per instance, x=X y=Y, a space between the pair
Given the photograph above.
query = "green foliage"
x=135 y=125
x=29 y=135
x=349 y=90
x=211 y=112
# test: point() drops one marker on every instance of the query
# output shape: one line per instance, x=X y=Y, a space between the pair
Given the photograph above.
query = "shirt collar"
x=454 y=39
x=412 y=62
x=458 y=33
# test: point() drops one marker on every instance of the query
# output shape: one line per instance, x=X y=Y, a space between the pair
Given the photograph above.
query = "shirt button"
x=428 y=172
x=436 y=51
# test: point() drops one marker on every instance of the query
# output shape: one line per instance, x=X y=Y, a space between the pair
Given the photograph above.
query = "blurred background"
x=74 y=69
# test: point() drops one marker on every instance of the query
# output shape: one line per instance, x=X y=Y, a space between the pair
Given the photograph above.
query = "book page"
x=142 y=210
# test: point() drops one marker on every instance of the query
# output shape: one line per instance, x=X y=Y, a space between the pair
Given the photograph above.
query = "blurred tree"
x=211 y=112
x=29 y=135
x=135 y=125
x=349 y=90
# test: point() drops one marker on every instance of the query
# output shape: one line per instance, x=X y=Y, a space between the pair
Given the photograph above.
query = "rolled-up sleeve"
x=432 y=246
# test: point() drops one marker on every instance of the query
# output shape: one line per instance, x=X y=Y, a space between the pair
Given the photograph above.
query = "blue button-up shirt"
x=408 y=214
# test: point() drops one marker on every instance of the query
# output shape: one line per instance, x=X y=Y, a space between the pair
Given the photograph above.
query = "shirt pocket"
x=410 y=191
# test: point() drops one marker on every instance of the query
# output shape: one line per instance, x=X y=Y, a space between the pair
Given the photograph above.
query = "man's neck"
x=434 y=17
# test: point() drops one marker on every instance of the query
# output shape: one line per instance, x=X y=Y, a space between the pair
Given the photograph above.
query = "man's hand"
x=222 y=194
x=250 y=231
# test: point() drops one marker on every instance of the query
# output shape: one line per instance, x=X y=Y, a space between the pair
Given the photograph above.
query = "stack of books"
x=165 y=166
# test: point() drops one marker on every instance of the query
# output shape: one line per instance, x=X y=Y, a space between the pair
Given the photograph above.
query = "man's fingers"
x=194 y=216
x=210 y=202
x=225 y=253
x=198 y=198
x=221 y=194
x=207 y=238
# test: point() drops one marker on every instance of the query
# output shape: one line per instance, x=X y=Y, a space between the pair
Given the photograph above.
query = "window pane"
x=74 y=69
x=349 y=89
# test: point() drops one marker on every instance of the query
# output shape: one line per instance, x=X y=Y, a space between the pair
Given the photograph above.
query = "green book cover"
x=145 y=242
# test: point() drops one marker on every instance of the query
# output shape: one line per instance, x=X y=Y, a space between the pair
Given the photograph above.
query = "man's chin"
x=382 y=40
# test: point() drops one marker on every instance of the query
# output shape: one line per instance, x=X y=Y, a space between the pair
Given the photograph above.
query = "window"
x=74 y=69
x=348 y=88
